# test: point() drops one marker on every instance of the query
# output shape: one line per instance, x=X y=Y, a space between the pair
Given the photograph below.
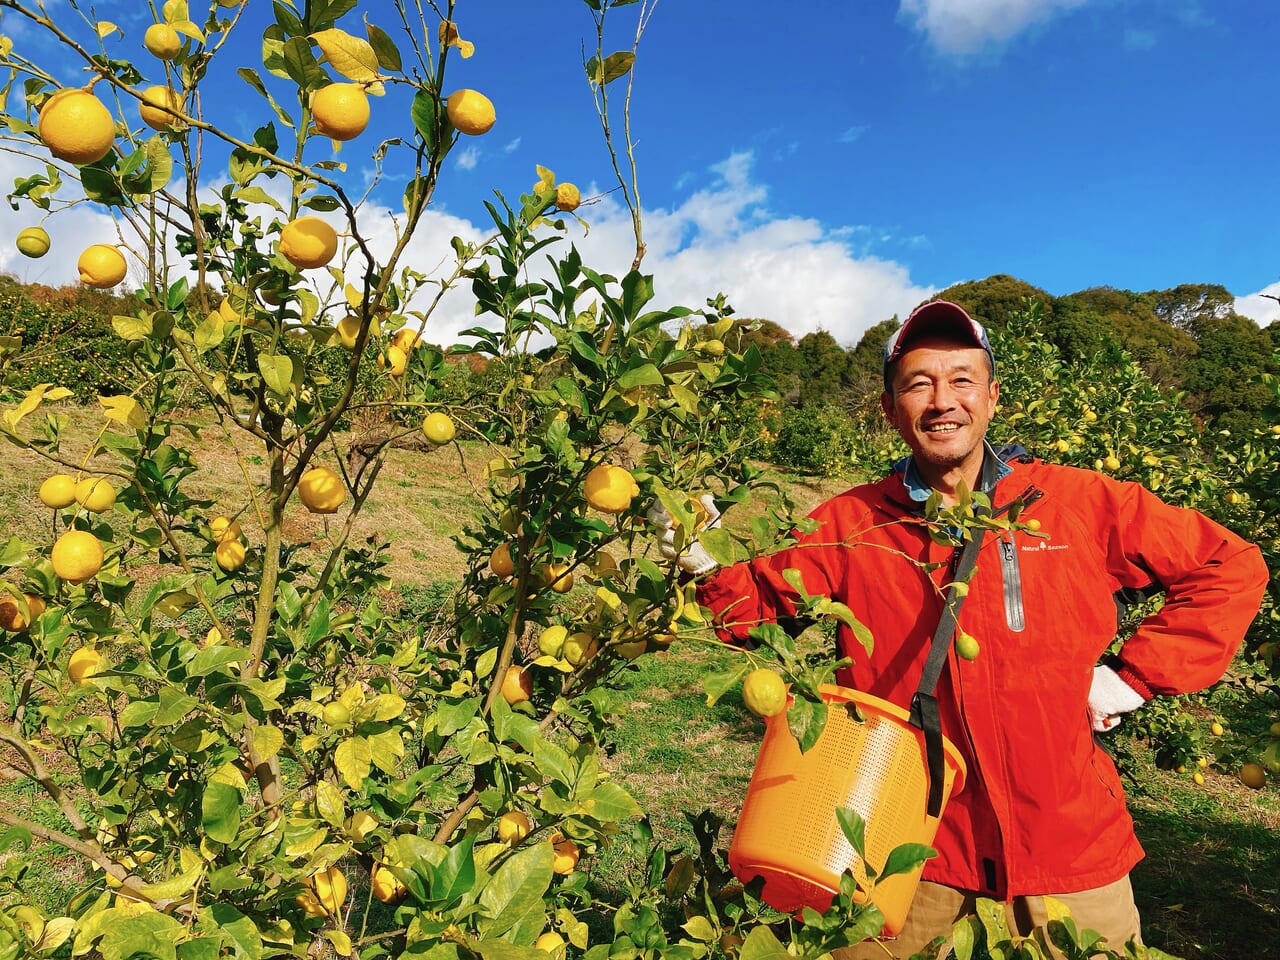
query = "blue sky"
x=832 y=163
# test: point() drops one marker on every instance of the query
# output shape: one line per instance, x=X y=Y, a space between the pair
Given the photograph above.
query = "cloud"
x=851 y=134
x=1259 y=306
x=721 y=238
x=961 y=28
x=468 y=159
x=1135 y=39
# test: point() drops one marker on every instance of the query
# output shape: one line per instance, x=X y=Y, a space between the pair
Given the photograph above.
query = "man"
x=1042 y=811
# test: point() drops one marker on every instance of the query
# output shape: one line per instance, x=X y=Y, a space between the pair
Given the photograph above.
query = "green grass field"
x=1210 y=886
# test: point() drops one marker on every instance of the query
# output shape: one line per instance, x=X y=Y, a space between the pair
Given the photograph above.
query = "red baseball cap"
x=937 y=318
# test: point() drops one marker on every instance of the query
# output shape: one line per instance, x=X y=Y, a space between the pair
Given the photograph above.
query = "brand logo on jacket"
x=1042 y=546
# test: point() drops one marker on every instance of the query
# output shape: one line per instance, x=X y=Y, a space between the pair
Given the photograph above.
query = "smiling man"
x=1042 y=812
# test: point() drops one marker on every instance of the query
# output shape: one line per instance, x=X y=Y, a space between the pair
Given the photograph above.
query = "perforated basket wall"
x=787 y=832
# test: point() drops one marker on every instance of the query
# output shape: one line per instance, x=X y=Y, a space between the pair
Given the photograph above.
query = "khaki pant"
x=1109 y=910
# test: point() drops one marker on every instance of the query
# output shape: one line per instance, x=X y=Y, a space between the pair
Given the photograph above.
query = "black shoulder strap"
x=924 y=706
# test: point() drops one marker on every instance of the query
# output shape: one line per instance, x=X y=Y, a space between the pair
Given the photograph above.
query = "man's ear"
x=886 y=404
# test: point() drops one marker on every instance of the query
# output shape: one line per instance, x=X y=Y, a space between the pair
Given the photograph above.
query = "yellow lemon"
x=713 y=347
x=513 y=826
x=348 y=329
x=579 y=648
x=229 y=555
x=33 y=242
x=500 y=561
x=11 y=616
x=156 y=103
x=552 y=943
x=95 y=494
x=308 y=242
x=764 y=692
x=609 y=489
x=341 y=110
x=83 y=664
x=1216 y=729
x=567 y=197
x=361 y=824
x=321 y=490
x=77 y=555
x=394 y=360
x=565 y=857
x=517 y=685
x=162 y=41
x=1253 y=776
x=223 y=528
x=1111 y=463
x=439 y=428
x=470 y=111
x=101 y=266
x=76 y=127
x=386 y=886
x=58 y=491
x=551 y=640
x=966 y=646
x=558 y=577
x=405 y=339
x=336 y=714
x=330 y=889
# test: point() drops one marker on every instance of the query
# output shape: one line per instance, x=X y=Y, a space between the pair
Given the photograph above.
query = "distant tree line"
x=1188 y=339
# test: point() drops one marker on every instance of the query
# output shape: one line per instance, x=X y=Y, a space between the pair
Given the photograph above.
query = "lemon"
x=565 y=857
x=405 y=339
x=162 y=41
x=609 y=489
x=1112 y=463
x=551 y=640
x=77 y=555
x=348 y=329
x=567 y=197
x=1253 y=776
x=228 y=312
x=764 y=692
x=1216 y=729
x=58 y=491
x=517 y=685
x=579 y=648
x=552 y=943
x=329 y=888
x=229 y=555
x=361 y=824
x=223 y=528
x=558 y=577
x=11 y=616
x=336 y=714
x=321 y=490
x=513 y=826
x=101 y=266
x=308 y=242
x=95 y=494
x=340 y=110
x=966 y=646
x=33 y=242
x=153 y=110
x=439 y=428
x=500 y=561
x=394 y=361
x=470 y=112
x=386 y=886
x=83 y=664
x=76 y=127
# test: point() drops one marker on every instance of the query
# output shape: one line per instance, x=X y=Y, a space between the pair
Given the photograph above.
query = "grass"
x=1209 y=887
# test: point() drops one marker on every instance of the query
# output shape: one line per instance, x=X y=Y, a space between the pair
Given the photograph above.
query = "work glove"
x=1109 y=697
x=694 y=560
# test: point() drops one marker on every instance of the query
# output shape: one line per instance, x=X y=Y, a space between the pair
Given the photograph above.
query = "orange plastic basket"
x=788 y=833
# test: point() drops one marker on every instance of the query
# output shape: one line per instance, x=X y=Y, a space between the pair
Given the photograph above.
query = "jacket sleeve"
x=1213 y=582
x=756 y=591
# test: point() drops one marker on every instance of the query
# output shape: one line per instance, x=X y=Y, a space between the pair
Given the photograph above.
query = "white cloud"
x=468 y=159
x=1259 y=306
x=964 y=27
x=722 y=238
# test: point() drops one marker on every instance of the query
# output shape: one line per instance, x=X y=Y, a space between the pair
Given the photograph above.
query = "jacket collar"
x=994 y=469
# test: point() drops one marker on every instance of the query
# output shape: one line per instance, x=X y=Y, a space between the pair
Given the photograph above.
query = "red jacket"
x=1042 y=810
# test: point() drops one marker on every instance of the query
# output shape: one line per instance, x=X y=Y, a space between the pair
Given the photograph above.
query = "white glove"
x=695 y=560
x=1109 y=697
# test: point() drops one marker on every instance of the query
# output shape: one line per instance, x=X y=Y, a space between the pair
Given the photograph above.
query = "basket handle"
x=924 y=705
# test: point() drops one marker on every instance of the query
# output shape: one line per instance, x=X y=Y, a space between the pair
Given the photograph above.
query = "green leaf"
x=330 y=803
x=964 y=937
x=516 y=889
x=132 y=328
x=906 y=858
x=300 y=64
x=609 y=801
x=456 y=873
x=353 y=57
x=220 y=811
x=353 y=758
x=806 y=721
x=644 y=375
x=854 y=829
x=761 y=944
x=277 y=372
x=384 y=48
x=174 y=706
x=126 y=936
x=267 y=741
x=716 y=685
x=209 y=332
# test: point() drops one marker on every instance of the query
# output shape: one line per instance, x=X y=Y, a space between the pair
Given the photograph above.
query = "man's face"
x=943 y=396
